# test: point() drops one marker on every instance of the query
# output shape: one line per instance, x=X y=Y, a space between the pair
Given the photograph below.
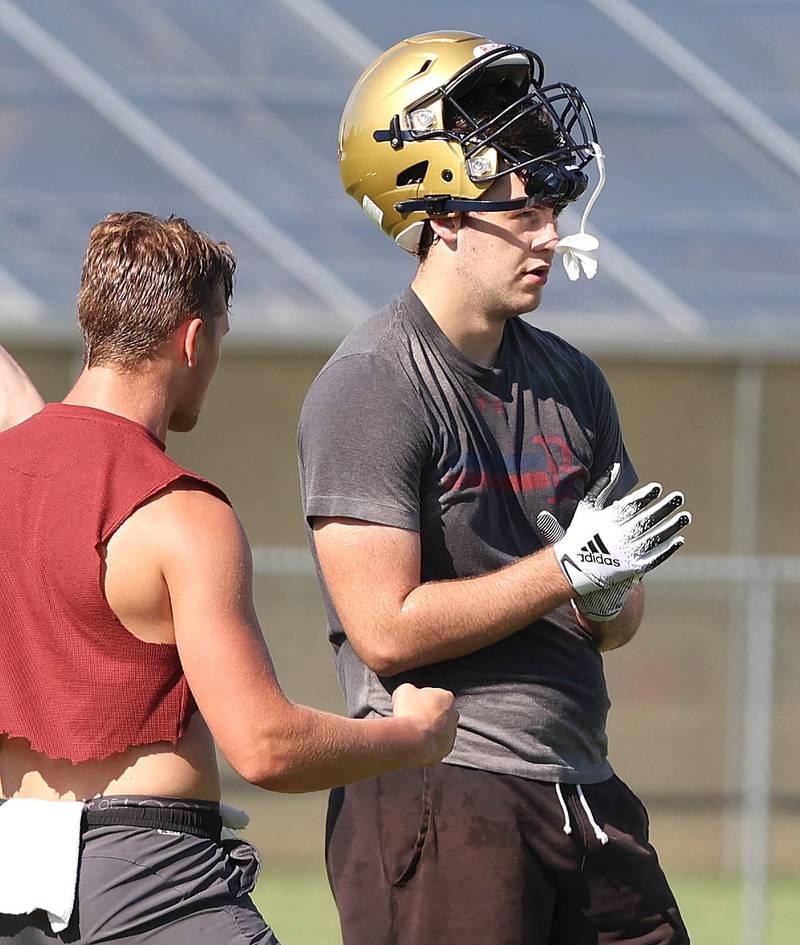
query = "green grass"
x=711 y=907
x=298 y=905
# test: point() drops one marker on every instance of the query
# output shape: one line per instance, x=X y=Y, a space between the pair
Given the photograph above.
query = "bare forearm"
x=443 y=620
x=19 y=399
x=612 y=634
x=313 y=750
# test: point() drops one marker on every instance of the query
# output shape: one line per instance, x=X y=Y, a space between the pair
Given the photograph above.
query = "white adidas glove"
x=604 y=546
x=600 y=606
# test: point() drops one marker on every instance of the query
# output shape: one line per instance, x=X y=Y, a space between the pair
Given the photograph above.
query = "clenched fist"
x=433 y=714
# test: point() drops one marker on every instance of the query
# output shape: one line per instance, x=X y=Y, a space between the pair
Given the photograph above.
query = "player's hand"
x=433 y=714
x=604 y=546
x=600 y=606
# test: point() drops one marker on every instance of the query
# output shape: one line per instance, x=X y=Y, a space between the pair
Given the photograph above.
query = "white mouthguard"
x=578 y=250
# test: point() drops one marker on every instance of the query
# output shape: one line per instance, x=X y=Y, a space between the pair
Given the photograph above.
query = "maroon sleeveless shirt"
x=73 y=680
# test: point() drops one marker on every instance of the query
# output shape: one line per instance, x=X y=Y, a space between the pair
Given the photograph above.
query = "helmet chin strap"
x=578 y=251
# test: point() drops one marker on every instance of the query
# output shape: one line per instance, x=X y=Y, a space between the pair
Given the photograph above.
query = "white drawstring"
x=601 y=835
x=567 y=828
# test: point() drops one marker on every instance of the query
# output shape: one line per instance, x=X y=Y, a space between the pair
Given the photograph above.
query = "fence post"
x=757 y=756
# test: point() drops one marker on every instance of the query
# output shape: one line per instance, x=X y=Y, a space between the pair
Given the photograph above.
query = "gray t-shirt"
x=400 y=428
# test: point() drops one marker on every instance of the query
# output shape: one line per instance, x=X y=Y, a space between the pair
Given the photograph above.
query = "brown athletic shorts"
x=153 y=871
x=448 y=855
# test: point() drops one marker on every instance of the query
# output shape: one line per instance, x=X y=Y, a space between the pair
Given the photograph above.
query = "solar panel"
x=227 y=114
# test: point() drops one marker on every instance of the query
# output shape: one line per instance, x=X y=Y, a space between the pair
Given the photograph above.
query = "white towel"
x=39 y=848
x=234 y=818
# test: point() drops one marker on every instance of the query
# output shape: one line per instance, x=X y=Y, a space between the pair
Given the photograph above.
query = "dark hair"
x=142 y=277
x=531 y=134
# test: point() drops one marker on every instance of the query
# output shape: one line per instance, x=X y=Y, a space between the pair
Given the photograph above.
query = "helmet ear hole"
x=415 y=174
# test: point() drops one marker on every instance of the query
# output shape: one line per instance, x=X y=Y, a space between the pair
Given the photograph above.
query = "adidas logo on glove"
x=640 y=533
x=596 y=552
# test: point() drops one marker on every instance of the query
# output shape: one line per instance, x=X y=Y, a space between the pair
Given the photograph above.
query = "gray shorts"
x=173 y=884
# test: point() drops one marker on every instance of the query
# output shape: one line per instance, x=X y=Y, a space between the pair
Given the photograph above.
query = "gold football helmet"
x=411 y=145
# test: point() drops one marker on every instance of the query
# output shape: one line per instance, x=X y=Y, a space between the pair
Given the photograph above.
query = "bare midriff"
x=187 y=769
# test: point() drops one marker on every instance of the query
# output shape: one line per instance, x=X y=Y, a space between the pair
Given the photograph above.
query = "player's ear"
x=192 y=337
x=446 y=228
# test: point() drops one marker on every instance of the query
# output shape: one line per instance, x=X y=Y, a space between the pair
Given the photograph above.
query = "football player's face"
x=508 y=254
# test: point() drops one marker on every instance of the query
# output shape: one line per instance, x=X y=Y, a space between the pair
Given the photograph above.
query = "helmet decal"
x=372 y=210
x=485 y=48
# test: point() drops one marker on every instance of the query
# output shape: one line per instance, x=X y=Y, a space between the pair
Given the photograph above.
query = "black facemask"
x=553 y=179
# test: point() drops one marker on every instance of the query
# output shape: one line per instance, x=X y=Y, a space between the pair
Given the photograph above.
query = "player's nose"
x=546 y=236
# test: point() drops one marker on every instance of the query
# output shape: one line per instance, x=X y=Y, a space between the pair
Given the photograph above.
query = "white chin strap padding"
x=409 y=238
x=578 y=250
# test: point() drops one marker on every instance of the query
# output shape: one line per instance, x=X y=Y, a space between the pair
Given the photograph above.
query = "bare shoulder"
x=191 y=518
x=186 y=501
x=183 y=524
